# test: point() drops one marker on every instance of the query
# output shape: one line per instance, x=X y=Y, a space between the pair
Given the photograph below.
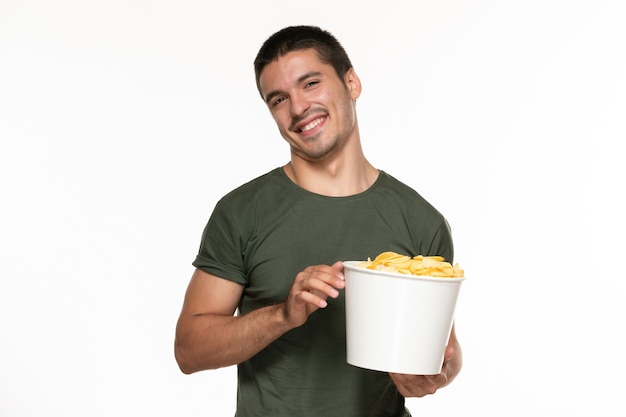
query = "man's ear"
x=353 y=83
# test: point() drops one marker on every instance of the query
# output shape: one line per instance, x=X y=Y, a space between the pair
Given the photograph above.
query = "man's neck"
x=332 y=178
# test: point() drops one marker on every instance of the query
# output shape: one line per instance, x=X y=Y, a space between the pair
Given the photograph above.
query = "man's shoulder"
x=399 y=187
x=403 y=193
x=255 y=186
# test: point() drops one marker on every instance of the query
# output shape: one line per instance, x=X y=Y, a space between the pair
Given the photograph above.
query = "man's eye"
x=278 y=100
x=311 y=84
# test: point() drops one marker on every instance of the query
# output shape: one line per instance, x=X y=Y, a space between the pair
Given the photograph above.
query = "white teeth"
x=311 y=125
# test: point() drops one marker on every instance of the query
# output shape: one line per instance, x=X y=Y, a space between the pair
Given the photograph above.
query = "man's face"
x=313 y=108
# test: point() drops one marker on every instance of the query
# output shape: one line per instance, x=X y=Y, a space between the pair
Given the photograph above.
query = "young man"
x=272 y=250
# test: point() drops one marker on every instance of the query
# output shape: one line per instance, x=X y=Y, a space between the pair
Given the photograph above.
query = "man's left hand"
x=422 y=385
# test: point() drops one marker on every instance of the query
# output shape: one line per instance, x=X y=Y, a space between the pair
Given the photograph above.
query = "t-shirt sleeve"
x=441 y=244
x=220 y=251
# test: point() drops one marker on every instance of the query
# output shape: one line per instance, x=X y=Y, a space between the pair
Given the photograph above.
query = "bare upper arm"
x=209 y=302
x=210 y=294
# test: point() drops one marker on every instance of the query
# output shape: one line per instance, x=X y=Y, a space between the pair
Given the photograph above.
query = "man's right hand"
x=310 y=290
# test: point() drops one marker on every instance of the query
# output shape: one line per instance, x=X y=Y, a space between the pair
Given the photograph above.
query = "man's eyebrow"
x=309 y=75
x=300 y=79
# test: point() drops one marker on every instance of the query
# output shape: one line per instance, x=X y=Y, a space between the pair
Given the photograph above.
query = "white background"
x=123 y=122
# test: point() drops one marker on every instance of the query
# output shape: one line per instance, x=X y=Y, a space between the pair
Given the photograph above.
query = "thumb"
x=449 y=353
x=338 y=266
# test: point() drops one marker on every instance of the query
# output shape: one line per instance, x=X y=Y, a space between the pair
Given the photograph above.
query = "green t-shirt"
x=266 y=231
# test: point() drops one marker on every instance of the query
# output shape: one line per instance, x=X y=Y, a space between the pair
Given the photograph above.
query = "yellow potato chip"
x=433 y=266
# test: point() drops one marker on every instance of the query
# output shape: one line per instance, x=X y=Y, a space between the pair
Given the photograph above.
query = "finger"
x=410 y=385
x=323 y=278
x=338 y=266
x=334 y=273
x=312 y=297
x=321 y=289
x=417 y=385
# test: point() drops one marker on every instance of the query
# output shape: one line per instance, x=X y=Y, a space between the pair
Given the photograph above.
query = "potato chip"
x=433 y=266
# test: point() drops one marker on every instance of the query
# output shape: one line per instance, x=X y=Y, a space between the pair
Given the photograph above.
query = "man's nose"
x=299 y=104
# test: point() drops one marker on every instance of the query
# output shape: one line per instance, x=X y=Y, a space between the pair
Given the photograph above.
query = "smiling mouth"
x=311 y=125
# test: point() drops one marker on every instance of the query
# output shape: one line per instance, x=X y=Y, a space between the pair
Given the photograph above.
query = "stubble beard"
x=319 y=153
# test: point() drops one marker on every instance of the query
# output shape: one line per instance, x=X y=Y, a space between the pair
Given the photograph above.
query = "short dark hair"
x=294 y=38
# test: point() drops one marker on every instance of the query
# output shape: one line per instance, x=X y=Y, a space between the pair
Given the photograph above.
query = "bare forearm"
x=210 y=341
x=208 y=336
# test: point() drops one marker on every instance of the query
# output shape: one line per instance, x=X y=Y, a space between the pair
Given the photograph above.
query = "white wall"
x=116 y=119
